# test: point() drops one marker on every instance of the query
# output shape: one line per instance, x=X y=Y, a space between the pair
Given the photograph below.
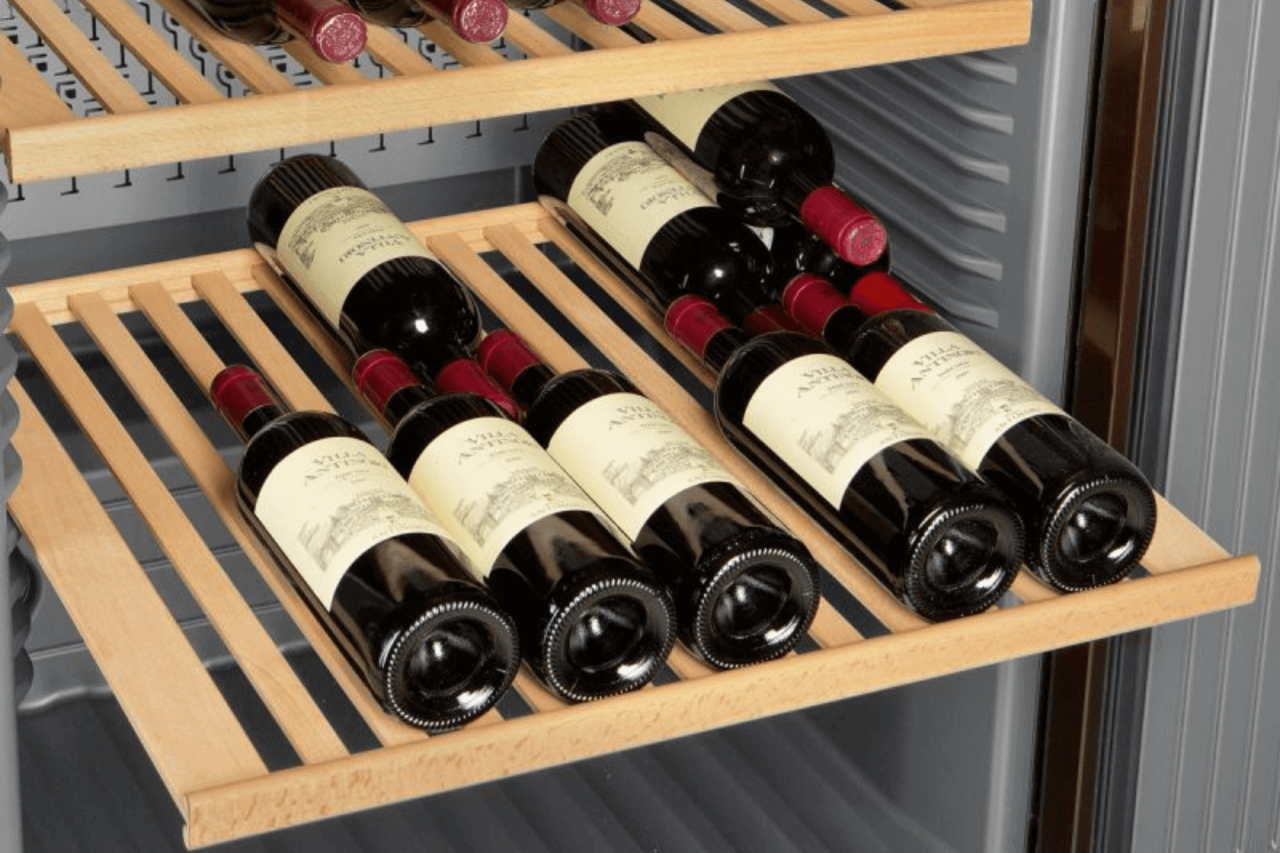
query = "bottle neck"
x=878 y=292
x=513 y=366
x=242 y=397
x=822 y=310
x=855 y=233
x=699 y=327
x=331 y=28
x=389 y=386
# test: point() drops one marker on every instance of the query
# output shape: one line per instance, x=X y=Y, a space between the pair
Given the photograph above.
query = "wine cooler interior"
x=170 y=685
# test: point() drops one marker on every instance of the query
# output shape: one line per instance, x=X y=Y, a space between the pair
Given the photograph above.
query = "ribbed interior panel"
x=1210 y=771
x=973 y=162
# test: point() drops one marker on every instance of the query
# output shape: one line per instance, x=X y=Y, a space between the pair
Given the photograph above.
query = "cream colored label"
x=331 y=500
x=626 y=193
x=630 y=457
x=487 y=480
x=333 y=238
x=961 y=393
x=684 y=114
x=825 y=420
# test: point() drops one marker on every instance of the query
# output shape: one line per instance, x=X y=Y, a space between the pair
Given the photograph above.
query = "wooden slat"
x=661 y=24
x=468 y=53
x=178 y=75
x=93 y=69
x=724 y=16
x=660 y=386
x=329 y=73
x=1180 y=542
x=391 y=52
x=533 y=40
x=177 y=711
x=240 y=630
x=203 y=363
x=249 y=66
x=791 y=11
x=317 y=113
x=648 y=716
x=861 y=7
x=25 y=99
x=575 y=19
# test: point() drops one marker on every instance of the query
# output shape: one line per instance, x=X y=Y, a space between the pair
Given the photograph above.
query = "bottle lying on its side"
x=373 y=563
x=594 y=621
x=746 y=590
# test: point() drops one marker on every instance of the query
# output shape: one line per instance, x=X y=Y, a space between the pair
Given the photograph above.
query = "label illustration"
x=333 y=238
x=630 y=457
x=487 y=480
x=685 y=114
x=961 y=393
x=329 y=501
x=626 y=193
x=826 y=420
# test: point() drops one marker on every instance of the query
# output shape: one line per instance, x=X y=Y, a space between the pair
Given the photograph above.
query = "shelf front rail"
x=202 y=749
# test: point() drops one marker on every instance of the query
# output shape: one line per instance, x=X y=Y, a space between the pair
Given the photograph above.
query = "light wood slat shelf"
x=659 y=53
x=199 y=745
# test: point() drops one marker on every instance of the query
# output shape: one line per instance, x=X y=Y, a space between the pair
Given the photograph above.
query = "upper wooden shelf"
x=862 y=640
x=569 y=60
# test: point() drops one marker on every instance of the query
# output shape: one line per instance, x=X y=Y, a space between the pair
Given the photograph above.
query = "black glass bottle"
x=770 y=161
x=371 y=561
x=329 y=27
x=745 y=589
x=933 y=533
x=363 y=273
x=594 y=621
x=1089 y=512
x=656 y=230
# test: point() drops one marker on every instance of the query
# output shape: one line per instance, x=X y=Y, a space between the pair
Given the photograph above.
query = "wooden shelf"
x=198 y=744
x=569 y=60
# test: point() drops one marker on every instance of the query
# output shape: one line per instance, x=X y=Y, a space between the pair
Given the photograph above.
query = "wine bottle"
x=794 y=249
x=479 y=21
x=363 y=274
x=373 y=564
x=613 y=13
x=662 y=235
x=745 y=589
x=329 y=27
x=770 y=160
x=1089 y=512
x=594 y=621
x=933 y=533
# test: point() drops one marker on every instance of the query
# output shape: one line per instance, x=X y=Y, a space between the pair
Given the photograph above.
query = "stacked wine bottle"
x=598 y=596
x=667 y=191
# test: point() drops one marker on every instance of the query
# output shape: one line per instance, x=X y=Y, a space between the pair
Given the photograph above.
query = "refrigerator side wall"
x=1209 y=775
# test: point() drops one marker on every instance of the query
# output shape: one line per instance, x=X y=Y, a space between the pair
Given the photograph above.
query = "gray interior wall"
x=1209 y=766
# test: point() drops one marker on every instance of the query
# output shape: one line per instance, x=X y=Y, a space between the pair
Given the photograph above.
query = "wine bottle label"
x=331 y=500
x=630 y=457
x=684 y=114
x=960 y=392
x=626 y=193
x=825 y=421
x=488 y=479
x=336 y=236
